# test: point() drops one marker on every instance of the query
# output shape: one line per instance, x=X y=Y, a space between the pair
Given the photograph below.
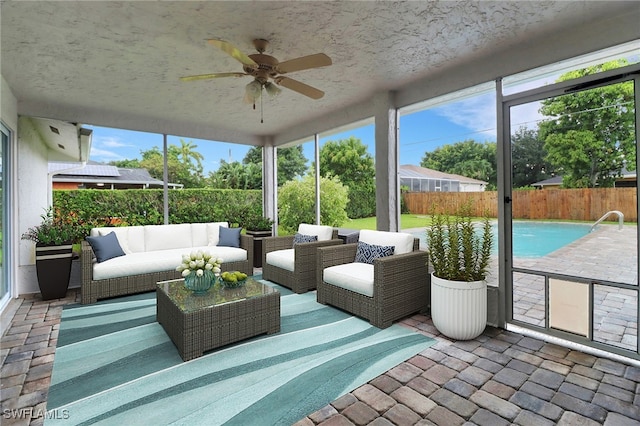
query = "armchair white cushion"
x=401 y=241
x=284 y=259
x=356 y=277
x=321 y=231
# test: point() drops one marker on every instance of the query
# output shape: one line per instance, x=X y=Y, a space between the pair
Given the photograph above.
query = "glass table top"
x=187 y=301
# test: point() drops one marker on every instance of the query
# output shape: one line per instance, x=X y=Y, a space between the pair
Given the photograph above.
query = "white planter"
x=459 y=309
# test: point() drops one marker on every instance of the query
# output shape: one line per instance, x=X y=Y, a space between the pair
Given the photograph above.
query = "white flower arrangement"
x=198 y=262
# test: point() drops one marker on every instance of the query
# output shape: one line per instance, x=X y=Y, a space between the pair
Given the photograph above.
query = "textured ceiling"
x=118 y=63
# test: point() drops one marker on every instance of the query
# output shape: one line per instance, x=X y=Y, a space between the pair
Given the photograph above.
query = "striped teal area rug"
x=114 y=364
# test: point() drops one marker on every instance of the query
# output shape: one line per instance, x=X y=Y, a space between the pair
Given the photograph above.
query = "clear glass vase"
x=199 y=284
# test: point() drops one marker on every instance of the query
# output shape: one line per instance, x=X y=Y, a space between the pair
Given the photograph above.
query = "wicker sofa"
x=294 y=266
x=152 y=253
x=387 y=289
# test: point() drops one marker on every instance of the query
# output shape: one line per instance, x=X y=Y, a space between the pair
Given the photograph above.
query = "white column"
x=387 y=185
x=270 y=182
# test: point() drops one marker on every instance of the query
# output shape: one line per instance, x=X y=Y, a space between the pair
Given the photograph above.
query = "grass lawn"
x=406 y=221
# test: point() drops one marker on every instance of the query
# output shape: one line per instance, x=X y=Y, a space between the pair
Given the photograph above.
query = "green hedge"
x=92 y=208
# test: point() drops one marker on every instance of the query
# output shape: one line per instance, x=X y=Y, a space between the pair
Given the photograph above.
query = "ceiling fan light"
x=252 y=91
x=272 y=89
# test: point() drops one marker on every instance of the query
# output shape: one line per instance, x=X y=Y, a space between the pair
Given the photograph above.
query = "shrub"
x=296 y=202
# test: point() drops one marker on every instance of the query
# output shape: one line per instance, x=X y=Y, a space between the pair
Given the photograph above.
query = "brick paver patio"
x=499 y=378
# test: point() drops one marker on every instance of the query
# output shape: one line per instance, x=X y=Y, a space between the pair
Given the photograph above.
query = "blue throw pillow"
x=106 y=247
x=229 y=237
x=367 y=253
x=301 y=238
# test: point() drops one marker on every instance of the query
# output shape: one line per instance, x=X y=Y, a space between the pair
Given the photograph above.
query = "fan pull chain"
x=261 y=110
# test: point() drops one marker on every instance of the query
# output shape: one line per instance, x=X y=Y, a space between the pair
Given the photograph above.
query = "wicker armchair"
x=303 y=276
x=401 y=284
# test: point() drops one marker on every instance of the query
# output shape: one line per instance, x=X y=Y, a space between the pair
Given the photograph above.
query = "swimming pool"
x=537 y=239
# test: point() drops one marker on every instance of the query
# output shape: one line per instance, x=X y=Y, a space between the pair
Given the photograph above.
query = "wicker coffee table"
x=197 y=324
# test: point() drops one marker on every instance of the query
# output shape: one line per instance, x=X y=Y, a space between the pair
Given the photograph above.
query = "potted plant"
x=53 y=239
x=259 y=227
x=459 y=253
x=256 y=224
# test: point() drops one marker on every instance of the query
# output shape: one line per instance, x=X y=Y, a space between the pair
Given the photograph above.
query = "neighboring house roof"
x=411 y=171
x=557 y=180
x=98 y=173
x=554 y=181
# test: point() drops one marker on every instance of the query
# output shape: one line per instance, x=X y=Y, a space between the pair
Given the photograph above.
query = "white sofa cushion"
x=167 y=237
x=136 y=239
x=131 y=238
x=284 y=259
x=356 y=277
x=401 y=241
x=321 y=231
x=158 y=261
x=199 y=235
x=213 y=232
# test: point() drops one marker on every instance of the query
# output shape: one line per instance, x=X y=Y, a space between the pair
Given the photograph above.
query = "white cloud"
x=477 y=114
x=526 y=115
x=112 y=142
x=104 y=155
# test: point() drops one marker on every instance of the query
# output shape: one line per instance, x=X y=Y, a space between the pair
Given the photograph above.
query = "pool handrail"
x=606 y=215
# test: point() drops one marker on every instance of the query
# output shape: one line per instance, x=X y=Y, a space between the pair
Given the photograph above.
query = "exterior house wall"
x=32 y=194
x=471 y=187
x=65 y=185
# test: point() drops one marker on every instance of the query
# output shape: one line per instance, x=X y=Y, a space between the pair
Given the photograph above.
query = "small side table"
x=258 y=236
x=348 y=236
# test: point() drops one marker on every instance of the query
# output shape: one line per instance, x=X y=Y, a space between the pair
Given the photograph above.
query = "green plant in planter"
x=255 y=222
x=53 y=239
x=51 y=231
x=458 y=252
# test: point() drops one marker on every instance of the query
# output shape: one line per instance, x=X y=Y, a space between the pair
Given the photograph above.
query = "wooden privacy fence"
x=587 y=204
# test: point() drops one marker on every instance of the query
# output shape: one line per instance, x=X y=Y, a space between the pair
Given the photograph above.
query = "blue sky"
x=419 y=132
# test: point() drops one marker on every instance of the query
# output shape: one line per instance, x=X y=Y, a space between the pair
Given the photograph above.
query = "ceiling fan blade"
x=299 y=87
x=304 y=63
x=216 y=75
x=230 y=49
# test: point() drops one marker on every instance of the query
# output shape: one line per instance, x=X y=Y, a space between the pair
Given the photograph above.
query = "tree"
x=188 y=155
x=589 y=135
x=296 y=202
x=291 y=162
x=236 y=175
x=349 y=160
x=528 y=158
x=467 y=158
x=253 y=156
x=178 y=171
x=126 y=164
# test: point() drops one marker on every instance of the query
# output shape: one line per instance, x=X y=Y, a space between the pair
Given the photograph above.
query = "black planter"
x=258 y=236
x=53 y=266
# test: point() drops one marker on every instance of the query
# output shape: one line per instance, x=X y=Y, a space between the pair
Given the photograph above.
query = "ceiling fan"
x=265 y=68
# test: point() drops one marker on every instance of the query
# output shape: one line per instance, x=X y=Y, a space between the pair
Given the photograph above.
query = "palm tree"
x=188 y=153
